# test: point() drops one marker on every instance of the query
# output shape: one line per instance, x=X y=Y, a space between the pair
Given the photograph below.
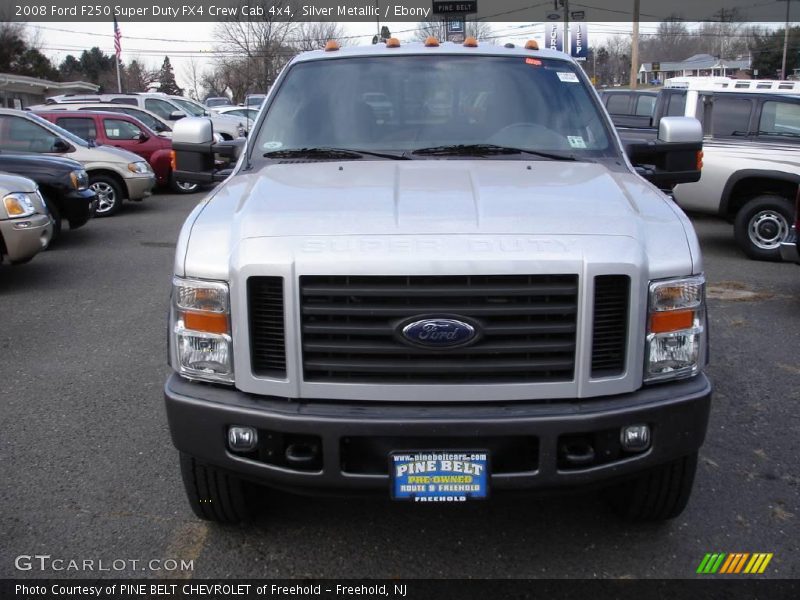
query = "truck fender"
x=727 y=192
x=161 y=163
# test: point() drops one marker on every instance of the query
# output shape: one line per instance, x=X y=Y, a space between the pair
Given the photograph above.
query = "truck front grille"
x=610 y=329
x=267 y=330
x=526 y=323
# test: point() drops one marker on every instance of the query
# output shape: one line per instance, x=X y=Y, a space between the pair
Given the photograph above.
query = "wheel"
x=215 y=495
x=762 y=224
x=183 y=187
x=55 y=218
x=658 y=494
x=109 y=195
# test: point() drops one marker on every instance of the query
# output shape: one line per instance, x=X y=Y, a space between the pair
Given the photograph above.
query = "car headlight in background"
x=18 y=205
x=202 y=330
x=138 y=167
x=80 y=179
x=676 y=328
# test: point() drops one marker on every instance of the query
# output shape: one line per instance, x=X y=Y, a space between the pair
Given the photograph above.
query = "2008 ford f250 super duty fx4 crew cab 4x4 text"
x=471 y=290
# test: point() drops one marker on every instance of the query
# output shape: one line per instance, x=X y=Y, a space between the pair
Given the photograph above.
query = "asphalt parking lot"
x=89 y=472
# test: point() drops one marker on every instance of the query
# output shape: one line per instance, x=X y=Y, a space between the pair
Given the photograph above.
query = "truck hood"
x=437 y=197
x=22 y=159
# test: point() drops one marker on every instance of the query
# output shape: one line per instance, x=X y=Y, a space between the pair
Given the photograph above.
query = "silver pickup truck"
x=751 y=163
x=469 y=291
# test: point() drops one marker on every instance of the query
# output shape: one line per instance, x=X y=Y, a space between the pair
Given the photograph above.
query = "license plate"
x=439 y=475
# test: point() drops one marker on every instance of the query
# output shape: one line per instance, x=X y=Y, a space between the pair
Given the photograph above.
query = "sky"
x=184 y=42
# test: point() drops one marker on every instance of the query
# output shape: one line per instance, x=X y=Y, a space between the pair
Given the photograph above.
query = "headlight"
x=676 y=329
x=203 y=344
x=80 y=179
x=18 y=205
x=138 y=167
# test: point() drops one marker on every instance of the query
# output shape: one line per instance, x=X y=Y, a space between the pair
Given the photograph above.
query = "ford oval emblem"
x=439 y=333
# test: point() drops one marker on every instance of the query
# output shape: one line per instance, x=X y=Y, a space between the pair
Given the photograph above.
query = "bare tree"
x=310 y=35
x=261 y=45
x=192 y=76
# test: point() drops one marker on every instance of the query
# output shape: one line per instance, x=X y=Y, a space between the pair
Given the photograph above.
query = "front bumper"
x=789 y=249
x=77 y=207
x=199 y=415
x=140 y=186
x=26 y=237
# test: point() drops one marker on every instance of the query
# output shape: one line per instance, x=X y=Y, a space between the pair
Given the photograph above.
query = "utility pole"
x=566 y=27
x=634 y=80
x=785 y=40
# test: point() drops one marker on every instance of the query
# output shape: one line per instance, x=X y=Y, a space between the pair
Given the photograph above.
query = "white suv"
x=170 y=108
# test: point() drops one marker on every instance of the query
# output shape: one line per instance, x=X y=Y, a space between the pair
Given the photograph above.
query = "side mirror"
x=680 y=129
x=176 y=115
x=60 y=146
x=675 y=157
x=142 y=137
x=196 y=149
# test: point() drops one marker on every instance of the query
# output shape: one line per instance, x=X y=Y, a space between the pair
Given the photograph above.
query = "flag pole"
x=117 y=52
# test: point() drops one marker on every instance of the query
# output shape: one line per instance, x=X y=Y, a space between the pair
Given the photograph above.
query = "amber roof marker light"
x=531 y=45
x=431 y=42
x=470 y=42
x=331 y=46
x=393 y=43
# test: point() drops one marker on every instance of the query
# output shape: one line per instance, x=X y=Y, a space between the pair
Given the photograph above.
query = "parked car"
x=217 y=101
x=128 y=133
x=25 y=226
x=751 y=159
x=790 y=247
x=238 y=111
x=254 y=100
x=161 y=126
x=62 y=182
x=630 y=108
x=114 y=174
x=381 y=305
x=167 y=107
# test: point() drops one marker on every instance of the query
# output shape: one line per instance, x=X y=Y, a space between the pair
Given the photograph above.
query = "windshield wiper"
x=486 y=150
x=331 y=153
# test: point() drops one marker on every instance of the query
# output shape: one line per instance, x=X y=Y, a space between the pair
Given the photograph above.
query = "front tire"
x=658 y=494
x=215 y=495
x=109 y=195
x=183 y=187
x=762 y=224
x=55 y=218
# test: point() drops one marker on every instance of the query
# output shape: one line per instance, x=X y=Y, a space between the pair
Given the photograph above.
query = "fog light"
x=635 y=438
x=242 y=439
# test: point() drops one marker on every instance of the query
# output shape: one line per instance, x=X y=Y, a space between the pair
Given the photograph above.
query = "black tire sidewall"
x=55 y=215
x=746 y=213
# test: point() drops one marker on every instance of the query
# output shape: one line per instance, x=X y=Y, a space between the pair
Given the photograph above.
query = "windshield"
x=60 y=131
x=145 y=118
x=194 y=110
x=409 y=103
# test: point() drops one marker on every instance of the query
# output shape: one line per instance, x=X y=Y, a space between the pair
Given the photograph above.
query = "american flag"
x=117 y=38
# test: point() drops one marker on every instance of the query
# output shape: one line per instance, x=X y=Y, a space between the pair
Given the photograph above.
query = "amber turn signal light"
x=207 y=322
x=673 y=320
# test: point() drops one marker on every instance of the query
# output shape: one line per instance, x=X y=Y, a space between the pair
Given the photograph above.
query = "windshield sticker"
x=576 y=141
x=273 y=145
x=567 y=77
